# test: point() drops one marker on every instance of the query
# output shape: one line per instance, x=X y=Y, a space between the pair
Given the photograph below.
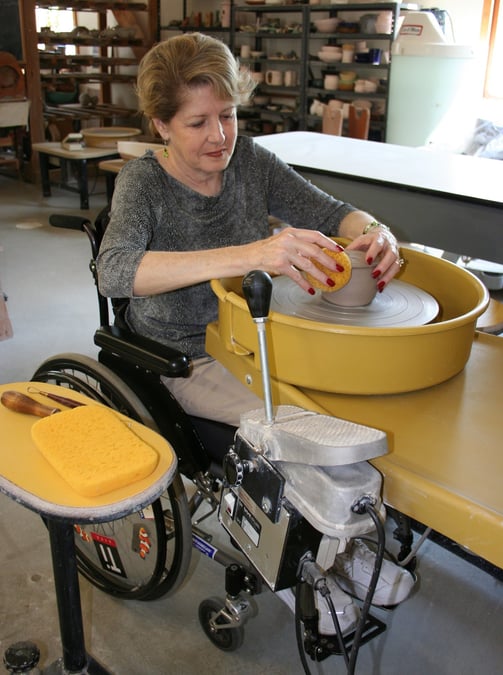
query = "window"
x=57 y=21
x=492 y=33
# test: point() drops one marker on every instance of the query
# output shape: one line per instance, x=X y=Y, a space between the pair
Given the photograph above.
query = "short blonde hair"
x=172 y=67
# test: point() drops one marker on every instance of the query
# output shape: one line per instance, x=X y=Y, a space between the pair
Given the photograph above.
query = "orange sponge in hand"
x=340 y=279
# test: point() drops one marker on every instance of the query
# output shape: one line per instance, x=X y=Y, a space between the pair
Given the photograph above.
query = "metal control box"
x=271 y=533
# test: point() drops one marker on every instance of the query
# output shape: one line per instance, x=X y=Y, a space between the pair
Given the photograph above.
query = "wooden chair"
x=12 y=94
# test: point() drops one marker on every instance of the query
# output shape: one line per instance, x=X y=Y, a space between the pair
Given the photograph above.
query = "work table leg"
x=44 y=174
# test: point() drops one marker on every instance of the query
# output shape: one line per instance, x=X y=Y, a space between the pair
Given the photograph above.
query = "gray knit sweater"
x=153 y=211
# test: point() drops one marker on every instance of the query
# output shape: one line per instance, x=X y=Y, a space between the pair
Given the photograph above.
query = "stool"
x=27 y=477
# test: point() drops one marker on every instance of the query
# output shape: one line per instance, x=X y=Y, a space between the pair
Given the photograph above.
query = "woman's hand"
x=378 y=242
x=292 y=251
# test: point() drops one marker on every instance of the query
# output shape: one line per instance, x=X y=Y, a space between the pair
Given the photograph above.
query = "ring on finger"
x=400 y=262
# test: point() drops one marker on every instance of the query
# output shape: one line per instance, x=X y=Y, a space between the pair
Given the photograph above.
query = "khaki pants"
x=212 y=392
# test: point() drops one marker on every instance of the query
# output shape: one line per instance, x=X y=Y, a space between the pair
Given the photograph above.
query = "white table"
x=452 y=202
x=78 y=158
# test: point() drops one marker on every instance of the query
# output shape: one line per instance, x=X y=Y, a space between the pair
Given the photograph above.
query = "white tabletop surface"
x=421 y=168
x=88 y=152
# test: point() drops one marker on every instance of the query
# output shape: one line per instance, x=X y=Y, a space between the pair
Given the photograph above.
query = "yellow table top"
x=445 y=461
x=27 y=477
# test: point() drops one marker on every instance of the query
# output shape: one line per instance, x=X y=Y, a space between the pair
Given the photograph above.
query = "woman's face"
x=202 y=134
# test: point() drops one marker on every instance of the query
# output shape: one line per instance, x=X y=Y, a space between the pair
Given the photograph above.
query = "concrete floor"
x=452 y=624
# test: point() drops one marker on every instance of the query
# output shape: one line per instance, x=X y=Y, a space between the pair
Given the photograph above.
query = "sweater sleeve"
x=129 y=230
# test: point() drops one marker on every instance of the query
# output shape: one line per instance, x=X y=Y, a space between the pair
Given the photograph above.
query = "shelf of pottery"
x=313 y=59
x=307 y=59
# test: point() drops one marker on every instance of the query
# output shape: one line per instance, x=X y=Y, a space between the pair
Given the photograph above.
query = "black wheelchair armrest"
x=143 y=352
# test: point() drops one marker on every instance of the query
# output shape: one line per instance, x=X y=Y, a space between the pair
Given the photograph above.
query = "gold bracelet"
x=373 y=224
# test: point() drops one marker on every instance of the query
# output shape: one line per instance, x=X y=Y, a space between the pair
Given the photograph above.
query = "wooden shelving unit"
x=301 y=42
x=310 y=70
x=99 y=59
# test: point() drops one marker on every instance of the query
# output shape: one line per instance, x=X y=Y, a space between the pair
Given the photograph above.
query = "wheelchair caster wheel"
x=21 y=657
x=210 y=616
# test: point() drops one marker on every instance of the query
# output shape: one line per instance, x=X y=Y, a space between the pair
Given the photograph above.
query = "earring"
x=165 y=152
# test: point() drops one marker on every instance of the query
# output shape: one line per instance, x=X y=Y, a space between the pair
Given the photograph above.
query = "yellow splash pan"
x=365 y=360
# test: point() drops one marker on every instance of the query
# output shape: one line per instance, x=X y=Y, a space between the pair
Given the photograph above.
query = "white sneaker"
x=347 y=611
x=353 y=571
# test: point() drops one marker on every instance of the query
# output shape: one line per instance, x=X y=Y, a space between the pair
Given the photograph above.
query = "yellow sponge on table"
x=93 y=449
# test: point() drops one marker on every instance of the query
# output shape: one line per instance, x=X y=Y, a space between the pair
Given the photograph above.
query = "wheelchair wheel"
x=146 y=554
x=226 y=639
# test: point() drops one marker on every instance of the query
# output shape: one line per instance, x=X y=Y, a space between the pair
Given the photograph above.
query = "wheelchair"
x=258 y=501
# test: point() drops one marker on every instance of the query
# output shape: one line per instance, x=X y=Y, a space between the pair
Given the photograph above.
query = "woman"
x=198 y=209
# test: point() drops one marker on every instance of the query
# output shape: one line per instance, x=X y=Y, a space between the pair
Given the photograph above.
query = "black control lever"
x=257 y=289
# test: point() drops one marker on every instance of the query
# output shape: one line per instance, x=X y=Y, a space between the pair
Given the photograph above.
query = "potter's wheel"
x=322 y=354
x=400 y=304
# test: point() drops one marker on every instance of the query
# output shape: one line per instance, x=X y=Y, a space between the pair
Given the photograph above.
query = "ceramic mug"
x=348 y=53
x=331 y=82
x=258 y=76
x=225 y=14
x=274 y=77
x=290 y=78
x=375 y=56
x=245 y=51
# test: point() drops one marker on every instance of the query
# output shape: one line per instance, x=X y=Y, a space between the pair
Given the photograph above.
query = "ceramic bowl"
x=329 y=57
x=365 y=86
x=327 y=25
x=108 y=137
x=346 y=86
x=348 y=76
x=334 y=49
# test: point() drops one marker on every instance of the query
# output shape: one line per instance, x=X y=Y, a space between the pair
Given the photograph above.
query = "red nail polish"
x=380 y=286
x=376 y=273
x=330 y=282
x=339 y=268
x=370 y=260
x=311 y=291
x=339 y=247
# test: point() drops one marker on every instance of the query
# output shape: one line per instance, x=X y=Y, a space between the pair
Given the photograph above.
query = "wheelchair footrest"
x=321 y=647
